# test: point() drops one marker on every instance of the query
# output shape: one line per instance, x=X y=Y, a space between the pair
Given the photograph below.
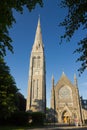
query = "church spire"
x=52 y=81
x=38 y=37
x=36 y=99
x=75 y=80
x=53 y=94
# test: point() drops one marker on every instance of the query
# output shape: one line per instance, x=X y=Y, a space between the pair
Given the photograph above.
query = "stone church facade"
x=36 y=99
x=65 y=101
x=66 y=105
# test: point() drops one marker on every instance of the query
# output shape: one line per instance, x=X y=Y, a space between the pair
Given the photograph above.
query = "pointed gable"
x=64 y=81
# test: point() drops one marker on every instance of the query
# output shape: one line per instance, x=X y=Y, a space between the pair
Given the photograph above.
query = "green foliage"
x=20 y=102
x=19 y=118
x=37 y=118
x=7 y=19
x=76 y=18
x=8 y=91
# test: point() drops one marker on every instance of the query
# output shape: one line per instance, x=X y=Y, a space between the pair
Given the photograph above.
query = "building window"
x=65 y=93
x=37 y=87
x=33 y=89
x=34 y=61
x=38 y=62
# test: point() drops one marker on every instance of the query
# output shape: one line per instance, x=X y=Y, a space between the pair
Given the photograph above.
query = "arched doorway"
x=66 y=117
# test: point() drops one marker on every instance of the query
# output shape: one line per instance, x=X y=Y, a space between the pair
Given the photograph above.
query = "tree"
x=20 y=102
x=7 y=19
x=8 y=91
x=76 y=18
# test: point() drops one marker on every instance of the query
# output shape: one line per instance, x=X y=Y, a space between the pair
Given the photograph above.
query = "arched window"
x=34 y=61
x=38 y=61
x=37 y=88
x=33 y=89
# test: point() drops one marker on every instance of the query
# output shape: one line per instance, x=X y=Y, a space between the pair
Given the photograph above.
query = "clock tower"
x=36 y=99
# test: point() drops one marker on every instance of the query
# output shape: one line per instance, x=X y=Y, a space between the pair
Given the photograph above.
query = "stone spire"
x=53 y=94
x=52 y=81
x=75 y=80
x=36 y=99
x=38 y=38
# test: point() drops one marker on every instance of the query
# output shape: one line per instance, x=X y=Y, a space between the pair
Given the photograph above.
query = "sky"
x=59 y=57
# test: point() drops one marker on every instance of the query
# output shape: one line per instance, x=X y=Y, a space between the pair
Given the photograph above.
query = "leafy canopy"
x=76 y=18
x=7 y=19
x=8 y=91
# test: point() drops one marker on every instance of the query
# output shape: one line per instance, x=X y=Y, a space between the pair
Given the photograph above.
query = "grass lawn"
x=13 y=128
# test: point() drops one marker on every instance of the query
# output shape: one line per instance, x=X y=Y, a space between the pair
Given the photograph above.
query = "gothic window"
x=39 y=45
x=33 y=88
x=36 y=47
x=37 y=87
x=65 y=92
x=38 y=62
x=34 y=61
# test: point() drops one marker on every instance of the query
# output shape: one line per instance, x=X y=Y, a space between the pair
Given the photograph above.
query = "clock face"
x=64 y=93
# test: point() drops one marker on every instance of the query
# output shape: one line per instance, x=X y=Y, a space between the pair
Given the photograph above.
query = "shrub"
x=20 y=118
x=38 y=118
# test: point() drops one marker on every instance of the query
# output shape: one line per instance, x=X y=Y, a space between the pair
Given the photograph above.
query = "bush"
x=28 y=118
x=20 y=118
x=38 y=118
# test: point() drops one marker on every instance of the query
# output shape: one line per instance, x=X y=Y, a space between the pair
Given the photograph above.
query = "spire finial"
x=39 y=19
x=74 y=75
x=52 y=77
x=63 y=73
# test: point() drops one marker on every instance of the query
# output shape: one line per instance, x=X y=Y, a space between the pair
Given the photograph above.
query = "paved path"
x=62 y=128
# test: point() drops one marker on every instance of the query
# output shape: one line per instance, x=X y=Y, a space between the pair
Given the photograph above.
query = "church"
x=65 y=100
x=66 y=104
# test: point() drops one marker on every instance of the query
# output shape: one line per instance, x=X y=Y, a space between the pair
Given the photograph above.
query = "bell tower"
x=36 y=99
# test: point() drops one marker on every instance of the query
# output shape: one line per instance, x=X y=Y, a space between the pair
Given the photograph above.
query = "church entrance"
x=66 y=117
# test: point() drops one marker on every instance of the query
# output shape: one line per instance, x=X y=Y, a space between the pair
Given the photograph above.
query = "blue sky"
x=59 y=58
